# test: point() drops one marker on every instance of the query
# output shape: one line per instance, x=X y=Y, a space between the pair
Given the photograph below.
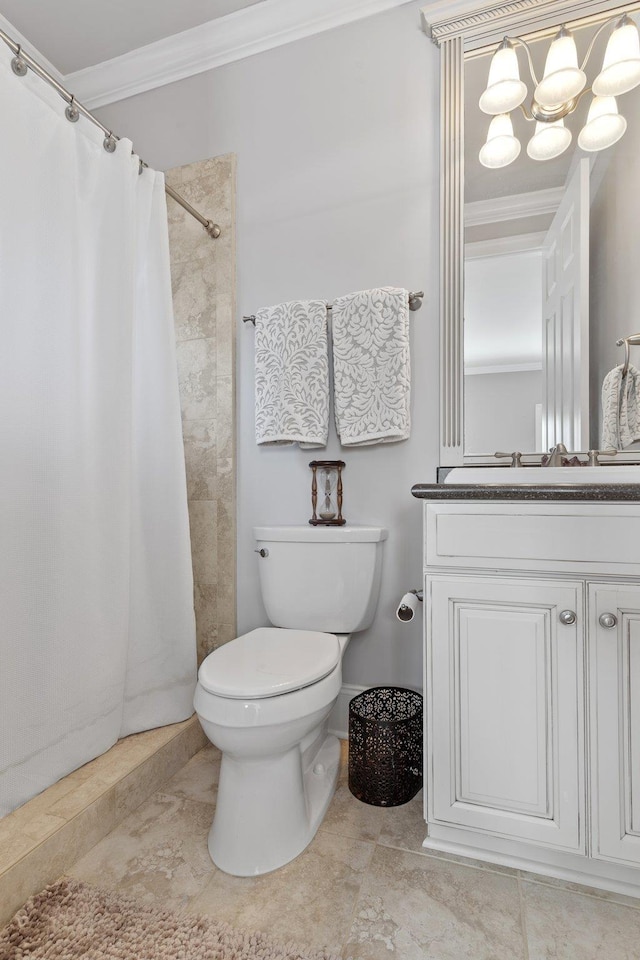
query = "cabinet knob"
x=607 y=620
x=568 y=617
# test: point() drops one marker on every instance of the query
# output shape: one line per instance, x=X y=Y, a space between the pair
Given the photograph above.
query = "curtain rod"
x=22 y=61
x=415 y=302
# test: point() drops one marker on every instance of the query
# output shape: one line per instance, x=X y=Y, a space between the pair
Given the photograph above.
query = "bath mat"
x=70 y=920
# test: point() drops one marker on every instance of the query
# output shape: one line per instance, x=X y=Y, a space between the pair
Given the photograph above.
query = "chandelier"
x=557 y=95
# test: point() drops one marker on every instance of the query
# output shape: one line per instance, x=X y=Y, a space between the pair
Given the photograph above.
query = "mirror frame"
x=456 y=26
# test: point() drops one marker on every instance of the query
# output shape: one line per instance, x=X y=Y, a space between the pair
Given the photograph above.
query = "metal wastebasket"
x=385 y=745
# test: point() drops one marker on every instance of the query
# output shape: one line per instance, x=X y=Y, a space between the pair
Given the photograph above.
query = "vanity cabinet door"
x=614 y=619
x=505 y=699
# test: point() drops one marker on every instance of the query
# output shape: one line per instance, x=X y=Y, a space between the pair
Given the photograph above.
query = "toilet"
x=264 y=698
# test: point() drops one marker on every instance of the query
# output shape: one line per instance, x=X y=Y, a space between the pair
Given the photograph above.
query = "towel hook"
x=633 y=340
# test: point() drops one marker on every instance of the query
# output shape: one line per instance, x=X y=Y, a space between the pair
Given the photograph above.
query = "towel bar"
x=415 y=302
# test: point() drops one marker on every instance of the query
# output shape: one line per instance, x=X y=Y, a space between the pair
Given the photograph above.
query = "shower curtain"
x=96 y=603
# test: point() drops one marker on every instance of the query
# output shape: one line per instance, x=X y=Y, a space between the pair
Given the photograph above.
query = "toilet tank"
x=320 y=578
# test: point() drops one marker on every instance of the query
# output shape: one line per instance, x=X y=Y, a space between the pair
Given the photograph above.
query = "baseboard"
x=535 y=860
x=339 y=716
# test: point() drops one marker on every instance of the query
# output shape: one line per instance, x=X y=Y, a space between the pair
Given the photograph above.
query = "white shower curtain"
x=96 y=604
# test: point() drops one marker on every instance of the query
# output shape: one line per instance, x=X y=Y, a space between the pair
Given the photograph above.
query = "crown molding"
x=514 y=207
x=14 y=34
x=507 y=367
x=481 y=23
x=504 y=246
x=235 y=36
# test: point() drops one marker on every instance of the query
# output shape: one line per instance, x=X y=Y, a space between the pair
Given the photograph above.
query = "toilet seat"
x=268 y=662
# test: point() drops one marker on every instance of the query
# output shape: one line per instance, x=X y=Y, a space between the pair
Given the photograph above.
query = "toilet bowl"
x=264 y=698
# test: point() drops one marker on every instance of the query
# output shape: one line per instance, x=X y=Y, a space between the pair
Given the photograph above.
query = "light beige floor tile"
x=125 y=755
x=50 y=859
x=404 y=826
x=151 y=775
x=310 y=900
x=17 y=838
x=198 y=779
x=344 y=759
x=159 y=853
x=13 y=847
x=349 y=817
x=568 y=926
x=78 y=799
x=610 y=895
x=20 y=819
x=422 y=908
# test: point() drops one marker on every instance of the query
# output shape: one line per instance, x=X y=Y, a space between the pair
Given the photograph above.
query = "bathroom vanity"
x=531 y=574
x=532 y=672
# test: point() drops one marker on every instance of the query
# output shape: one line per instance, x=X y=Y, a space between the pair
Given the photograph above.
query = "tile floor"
x=364 y=888
x=42 y=838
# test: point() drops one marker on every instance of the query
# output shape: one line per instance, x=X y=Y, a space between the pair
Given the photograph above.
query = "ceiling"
x=73 y=34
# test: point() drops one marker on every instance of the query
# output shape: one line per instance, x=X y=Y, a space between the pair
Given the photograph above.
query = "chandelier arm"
x=602 y=27
x=529 y=58
x=526 y=114
x=583 y=93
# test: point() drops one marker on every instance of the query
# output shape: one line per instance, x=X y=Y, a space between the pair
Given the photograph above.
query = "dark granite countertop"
x=600 y=492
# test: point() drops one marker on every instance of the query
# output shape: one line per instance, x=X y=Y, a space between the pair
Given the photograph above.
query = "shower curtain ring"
x=109 y=143
x=18 y=65
x=72 y=113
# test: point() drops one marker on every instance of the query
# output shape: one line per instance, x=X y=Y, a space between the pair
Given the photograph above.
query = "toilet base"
x=268 y=811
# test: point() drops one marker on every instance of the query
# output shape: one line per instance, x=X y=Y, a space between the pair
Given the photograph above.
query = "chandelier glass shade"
x=604 y=125
x=563 y=79
x=621 y=66
x=505 y=90
x=557 y=94
x=501 y=147
x=549 y=140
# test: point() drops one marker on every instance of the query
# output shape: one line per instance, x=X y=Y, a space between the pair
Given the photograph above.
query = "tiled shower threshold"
x=44 y=837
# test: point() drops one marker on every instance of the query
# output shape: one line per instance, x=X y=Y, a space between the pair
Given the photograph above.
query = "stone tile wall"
x=203 y=281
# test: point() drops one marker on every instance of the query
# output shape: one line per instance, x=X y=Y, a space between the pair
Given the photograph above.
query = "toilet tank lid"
x=269 y=661
x=350 y=533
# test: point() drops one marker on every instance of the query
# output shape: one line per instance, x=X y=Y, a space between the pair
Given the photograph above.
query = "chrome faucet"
x=555 y=455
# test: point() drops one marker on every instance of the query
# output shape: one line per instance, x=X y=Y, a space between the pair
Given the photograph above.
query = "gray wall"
x=337 y=145
x=500 y=411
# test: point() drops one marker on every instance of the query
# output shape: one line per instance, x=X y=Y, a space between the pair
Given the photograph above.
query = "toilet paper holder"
x=408 y=605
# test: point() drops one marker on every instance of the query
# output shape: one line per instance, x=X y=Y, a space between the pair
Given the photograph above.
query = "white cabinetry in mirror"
x=532 y=686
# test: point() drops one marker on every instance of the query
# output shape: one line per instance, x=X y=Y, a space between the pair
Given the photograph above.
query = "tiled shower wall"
x=203 y=281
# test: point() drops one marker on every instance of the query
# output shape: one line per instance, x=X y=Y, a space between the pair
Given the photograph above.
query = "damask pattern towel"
x=292 y=374
x=371 y=366
x=621 y=408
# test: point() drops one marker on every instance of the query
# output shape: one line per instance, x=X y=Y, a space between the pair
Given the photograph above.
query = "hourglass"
x=326 y=493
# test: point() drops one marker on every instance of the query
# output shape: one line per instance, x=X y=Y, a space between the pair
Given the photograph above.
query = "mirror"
x=504 y=338
x=530 y=379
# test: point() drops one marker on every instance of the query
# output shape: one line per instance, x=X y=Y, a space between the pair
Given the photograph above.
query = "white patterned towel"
x=621 y=408
x=292 y=374
x=371 y=366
